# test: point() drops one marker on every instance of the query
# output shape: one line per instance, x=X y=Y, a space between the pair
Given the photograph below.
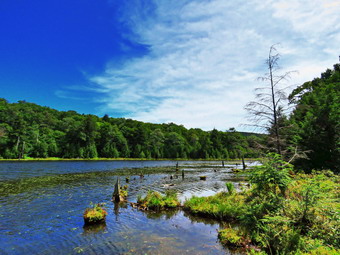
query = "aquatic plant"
x=229 y=236
x=230 y=187
x=123 y=192
x=95 y=214
x=155 y=201
x=233 y=237
x=221 y=206
x=10 y=187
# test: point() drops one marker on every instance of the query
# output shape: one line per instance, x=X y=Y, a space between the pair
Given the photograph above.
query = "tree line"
x=30 y=130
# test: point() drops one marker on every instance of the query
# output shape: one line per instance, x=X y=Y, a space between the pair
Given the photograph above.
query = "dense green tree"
x=316 y=121
x=175 y=146
x=156 y=143
x=112 y=143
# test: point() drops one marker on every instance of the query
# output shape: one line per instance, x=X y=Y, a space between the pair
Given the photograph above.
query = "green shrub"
x=316 y=247
x=278 y=236
x=230 y=237
x=230 y=187
x=272 y=176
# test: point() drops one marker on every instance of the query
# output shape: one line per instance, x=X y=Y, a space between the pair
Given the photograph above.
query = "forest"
x=30 y=130
x=311 y=129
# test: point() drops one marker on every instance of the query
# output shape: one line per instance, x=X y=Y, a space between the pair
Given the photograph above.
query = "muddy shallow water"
x=42 y=214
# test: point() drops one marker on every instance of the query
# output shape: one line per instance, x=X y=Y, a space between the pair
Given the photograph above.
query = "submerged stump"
x=243 y=163
x=119 y=193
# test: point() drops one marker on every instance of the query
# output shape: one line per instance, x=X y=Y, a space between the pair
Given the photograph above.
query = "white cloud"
x=204 y=56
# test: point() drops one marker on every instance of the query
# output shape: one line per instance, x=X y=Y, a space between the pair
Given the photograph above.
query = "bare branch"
x=253 y=104
x=268 y=109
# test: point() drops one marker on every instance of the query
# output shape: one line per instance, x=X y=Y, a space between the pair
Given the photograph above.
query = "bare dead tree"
x=270 y=101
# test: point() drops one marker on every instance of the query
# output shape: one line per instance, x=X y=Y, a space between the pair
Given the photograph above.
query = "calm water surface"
x=47 y=219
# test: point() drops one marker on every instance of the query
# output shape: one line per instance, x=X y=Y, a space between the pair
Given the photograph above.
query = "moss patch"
x=95 y=214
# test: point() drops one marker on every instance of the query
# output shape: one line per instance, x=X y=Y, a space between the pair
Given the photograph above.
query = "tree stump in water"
x=116 y=193
x=243 y=163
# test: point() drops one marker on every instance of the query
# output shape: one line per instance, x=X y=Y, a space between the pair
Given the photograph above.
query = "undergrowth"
x=283 y=214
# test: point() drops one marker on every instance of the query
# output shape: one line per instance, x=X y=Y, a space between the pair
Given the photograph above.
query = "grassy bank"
x=281 y=213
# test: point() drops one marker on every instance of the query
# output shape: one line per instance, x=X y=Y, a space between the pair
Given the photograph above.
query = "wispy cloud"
x=65 y=94
x=204 y=56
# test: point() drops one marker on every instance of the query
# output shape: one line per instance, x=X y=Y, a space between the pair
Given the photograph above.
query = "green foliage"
x=30 y=130
x=94 y=214
x=278 y=235
x=282 y=214
x=230 y=187
x=272 y=177
x=123 y=191
x=315 y=121
x=221 y=206
x=231 y=237
x=155 y=201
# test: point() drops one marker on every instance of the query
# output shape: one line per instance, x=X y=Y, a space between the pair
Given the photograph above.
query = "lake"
x=42 y=203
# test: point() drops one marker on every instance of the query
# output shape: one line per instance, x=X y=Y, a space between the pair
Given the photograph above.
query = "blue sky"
x=194 y=62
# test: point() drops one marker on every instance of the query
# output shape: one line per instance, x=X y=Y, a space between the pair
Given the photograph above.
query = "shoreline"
x=122 y=159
